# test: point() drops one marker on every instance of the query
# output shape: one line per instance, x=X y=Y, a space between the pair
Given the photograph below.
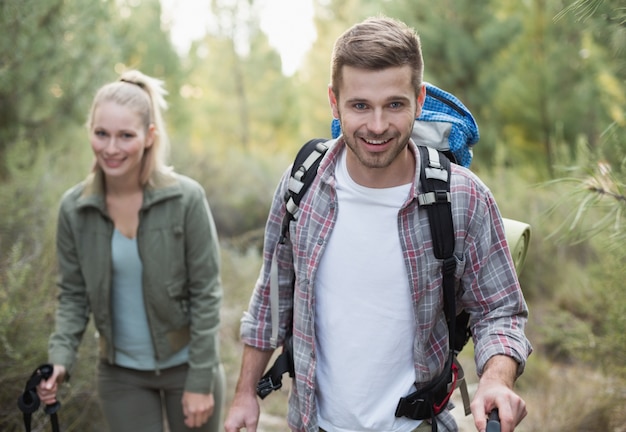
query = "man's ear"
x=332 y=99
x=421 y=97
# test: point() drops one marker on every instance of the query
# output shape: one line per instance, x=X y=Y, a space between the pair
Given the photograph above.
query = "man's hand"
x=197 y=408
x=244 y=413
x=47 y=390
x=495 y=390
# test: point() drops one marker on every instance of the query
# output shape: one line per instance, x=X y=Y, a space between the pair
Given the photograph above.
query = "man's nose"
x=378 y=122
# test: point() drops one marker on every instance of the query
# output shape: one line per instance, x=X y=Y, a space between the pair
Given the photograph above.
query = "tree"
x=331 y=19
x=48 y=68
x=242 y=114
x=236 y=85
x=598 y=194
x=142 y=40
x=548 y=86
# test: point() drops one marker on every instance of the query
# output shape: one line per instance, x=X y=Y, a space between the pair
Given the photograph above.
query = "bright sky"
x=288 y=24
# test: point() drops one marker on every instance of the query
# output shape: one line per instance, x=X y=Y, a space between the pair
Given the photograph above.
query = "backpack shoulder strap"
x=303 y=172
x=435 y=185
x=435 y=175
x=435 y=196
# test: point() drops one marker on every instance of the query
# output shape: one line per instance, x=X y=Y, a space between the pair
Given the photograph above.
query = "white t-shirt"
x=364 y=319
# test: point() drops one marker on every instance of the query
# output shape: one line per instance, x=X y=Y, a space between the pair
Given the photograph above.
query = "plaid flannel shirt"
x=487 y=285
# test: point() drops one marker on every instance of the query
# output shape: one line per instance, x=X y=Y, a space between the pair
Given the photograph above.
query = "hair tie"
x=138 y=84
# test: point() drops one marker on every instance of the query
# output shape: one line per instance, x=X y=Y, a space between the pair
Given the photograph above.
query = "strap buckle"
x=413 y=408
x=448 y=265
x=431 y=400
x=265 y=386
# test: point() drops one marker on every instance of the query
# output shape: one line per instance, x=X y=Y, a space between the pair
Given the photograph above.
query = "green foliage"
x=611 y=331
x=596 y=199
x=566 y=337
x=240 y=266
x=47 y=67
x=27 y=277
x=245 y=119
x=142 y=43
x=49 y=71
x=239 y=184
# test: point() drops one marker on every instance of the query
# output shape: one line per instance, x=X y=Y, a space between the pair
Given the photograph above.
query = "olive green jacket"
x=178 y=246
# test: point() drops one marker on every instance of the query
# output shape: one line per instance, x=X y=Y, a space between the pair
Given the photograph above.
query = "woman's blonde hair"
x=145 y=96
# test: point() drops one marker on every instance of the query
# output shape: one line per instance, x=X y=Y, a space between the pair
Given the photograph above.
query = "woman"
x=138 y=249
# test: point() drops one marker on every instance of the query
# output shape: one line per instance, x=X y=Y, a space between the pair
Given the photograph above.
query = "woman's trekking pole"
x=29 y=402
x=493 y=422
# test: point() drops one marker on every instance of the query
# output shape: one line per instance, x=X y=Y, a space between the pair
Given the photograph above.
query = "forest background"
x=545 y=79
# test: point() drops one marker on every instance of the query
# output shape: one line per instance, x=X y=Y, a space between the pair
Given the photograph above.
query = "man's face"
x=377 y=110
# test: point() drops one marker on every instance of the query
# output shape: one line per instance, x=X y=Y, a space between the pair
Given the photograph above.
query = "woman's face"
x=119 y=140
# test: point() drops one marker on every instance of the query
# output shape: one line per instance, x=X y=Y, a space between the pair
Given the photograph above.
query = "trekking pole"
x=493 y=422
x=29 y=402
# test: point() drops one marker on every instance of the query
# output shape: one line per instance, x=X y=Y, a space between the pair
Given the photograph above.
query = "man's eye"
x=395 y=105
x=360 y=106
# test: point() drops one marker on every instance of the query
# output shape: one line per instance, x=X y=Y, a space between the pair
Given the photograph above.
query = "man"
x=358 y=275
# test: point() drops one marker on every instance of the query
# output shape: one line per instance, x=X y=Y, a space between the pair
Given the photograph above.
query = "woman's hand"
x=47 y=390
x=197 y=408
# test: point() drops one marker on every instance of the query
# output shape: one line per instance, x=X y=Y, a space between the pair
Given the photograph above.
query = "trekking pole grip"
x=493 y=422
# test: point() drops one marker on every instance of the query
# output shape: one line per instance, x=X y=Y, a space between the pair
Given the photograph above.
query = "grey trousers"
x=142 y=401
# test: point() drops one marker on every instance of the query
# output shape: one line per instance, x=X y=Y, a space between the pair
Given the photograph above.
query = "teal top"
x=131 y=335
